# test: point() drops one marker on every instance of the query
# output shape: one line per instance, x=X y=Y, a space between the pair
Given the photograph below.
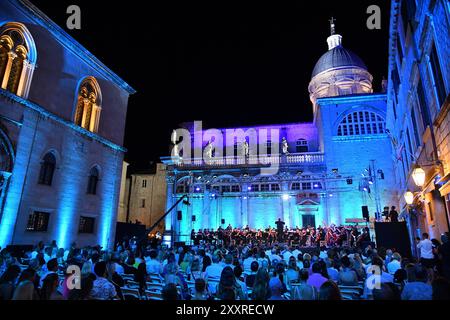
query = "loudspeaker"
x=365 y=212
x=179 y=215
x=393 y=235
x=193 y=218
x=223 y=221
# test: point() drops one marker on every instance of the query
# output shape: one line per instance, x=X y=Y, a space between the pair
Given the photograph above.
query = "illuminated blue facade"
x=326 y=171
x=418 y=108
x=48 y=191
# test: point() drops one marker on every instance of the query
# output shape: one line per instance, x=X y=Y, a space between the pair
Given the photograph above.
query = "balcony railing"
x=311 y=158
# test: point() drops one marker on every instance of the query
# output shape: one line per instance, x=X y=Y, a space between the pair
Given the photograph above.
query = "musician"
x=385 y=213
x=280 y=227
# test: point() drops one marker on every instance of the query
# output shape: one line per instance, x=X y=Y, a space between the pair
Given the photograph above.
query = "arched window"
x=17 y=58
x=93 y=181
x=48 y=165
x=88 y=107
x=361 y=123
x=301 y=146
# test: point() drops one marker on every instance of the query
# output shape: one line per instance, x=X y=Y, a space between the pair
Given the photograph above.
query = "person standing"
x=393 y=215
x=426 y=251
x=280 y=229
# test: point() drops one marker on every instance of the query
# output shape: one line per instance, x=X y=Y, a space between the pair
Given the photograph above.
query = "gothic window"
x=235 y=188
x=93 y=181
x=17 y=58
x=301 y=145
x=88 y=106
x=275 y=187
x=361 y=123
x=183 y=187
x=38 y=221
x=48 y=165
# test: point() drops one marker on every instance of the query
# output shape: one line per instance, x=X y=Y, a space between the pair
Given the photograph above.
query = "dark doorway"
x=308 y=220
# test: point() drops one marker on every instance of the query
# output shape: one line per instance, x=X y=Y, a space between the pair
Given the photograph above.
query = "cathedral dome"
x=337 y=57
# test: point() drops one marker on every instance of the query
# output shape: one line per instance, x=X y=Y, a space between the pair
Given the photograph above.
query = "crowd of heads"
x=217 y=272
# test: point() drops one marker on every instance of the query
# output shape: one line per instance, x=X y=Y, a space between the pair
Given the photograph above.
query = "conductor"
x=280 y=229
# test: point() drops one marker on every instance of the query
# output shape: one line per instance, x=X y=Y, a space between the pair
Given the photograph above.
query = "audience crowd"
x=217 y=272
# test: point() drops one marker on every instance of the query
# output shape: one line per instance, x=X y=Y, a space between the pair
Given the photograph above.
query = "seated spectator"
x=250 y=279
x=395 y=263
x=200 y=290
x=316 y=279
x=441 y=289
x=84 y=292
x=141 y=277
x=332 y=270
x=261 y=289
x=304 y=291
x=102 y=288
x=52 y=267
x=128 y=266
x=170 y=292
x=49 y=289
x=347 y=276
x=387 y=291
x=227 y=282
x=293 y=272
x=276 y=289
x=418 y=289
x=376 y=275
x=238 y=274
x=215 y=269
x=26 y=289
x=8 y=282
x=329 y=291
x=401 y=278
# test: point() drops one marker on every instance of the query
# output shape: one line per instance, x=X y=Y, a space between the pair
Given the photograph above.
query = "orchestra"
x=305 y=237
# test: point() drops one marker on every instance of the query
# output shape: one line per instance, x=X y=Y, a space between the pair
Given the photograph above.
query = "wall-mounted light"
x=409 y=197
x=418 y=176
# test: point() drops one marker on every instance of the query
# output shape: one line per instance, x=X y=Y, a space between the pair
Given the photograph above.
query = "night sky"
x=226 y=63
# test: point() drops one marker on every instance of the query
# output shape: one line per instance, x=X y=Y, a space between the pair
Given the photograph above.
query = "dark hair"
x=200 y=285
x=100 y=268
x=49 y=285
x=425 y=235
x=400 y=275
x=227 y=280
x=153 y=254
x=387 y=291
x=206 y=262
x=304 y=275
x=254 y=266
x=316 y=268
x=10 y=274
x=87 y=283
x=52 y=264
x=228 y=294
x=346 y=263
x=170 y=292
x=441 y=289
x=421 y=273
x=329 y=291
x=27 y=274
x=238 y=271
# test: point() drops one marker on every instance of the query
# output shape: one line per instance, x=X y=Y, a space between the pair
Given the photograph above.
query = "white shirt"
x=247 y=264
x=287 y=255
x=214 y=270
x=154 y=266
x=426 y=249
x=393 y=266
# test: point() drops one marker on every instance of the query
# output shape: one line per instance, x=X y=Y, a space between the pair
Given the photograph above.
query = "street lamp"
x=418 y=176
x=409 y=197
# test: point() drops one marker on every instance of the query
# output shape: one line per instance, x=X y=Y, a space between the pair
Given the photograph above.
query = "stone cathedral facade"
x=327 y=169
x=62 y=122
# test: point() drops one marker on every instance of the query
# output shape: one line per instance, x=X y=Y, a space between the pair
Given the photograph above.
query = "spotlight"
x=197 y=189
x=199 y=177
x=245 y=198
x=316 y=185
x=330 y=194
x=370 y=181
x=285 y=197
x=249 y=188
